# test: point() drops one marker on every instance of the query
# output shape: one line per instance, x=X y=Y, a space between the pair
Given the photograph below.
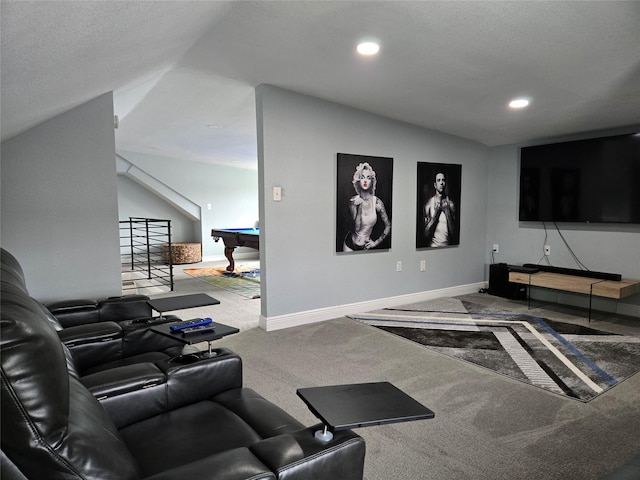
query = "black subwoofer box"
x=500 y=285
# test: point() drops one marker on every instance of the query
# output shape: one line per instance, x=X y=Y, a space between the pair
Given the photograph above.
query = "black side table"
x=341 y=407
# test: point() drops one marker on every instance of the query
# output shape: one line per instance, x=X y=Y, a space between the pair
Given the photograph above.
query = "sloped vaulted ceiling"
x=184 y=72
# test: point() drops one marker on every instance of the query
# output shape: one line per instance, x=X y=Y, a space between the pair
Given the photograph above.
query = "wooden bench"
x=594 y=287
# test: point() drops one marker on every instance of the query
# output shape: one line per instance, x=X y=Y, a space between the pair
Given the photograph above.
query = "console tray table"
x=221 y=330
x=342 y=407
x=181 y=302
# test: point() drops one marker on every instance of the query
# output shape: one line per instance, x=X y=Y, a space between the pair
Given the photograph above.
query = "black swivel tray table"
x=221 y=330
x=181 y=302
x=341 y=407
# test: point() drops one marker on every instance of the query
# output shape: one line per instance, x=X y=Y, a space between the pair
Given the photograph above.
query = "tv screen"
x=594 y=181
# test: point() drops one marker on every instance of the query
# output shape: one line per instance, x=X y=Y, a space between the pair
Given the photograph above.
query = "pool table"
x=236 y=237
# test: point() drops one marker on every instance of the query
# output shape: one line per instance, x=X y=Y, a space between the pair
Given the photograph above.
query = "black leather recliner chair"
x=176 y=418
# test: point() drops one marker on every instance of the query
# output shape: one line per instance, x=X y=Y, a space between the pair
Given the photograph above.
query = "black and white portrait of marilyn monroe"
x=364 y=203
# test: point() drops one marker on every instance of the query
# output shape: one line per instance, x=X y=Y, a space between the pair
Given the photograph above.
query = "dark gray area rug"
x=563 y=358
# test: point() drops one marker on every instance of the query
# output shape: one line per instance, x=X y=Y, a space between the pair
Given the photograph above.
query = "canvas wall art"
x=363 y=218
x=438 y=205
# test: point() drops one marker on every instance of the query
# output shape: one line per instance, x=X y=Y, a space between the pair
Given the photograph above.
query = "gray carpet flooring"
x=487 y=426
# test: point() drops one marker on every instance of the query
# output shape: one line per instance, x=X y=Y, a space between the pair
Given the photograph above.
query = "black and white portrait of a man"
x=438 y=205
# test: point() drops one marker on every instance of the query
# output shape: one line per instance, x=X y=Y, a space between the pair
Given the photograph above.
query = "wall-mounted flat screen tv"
x=594 y=181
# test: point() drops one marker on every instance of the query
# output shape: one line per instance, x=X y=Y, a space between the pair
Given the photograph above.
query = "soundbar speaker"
x=500 y=286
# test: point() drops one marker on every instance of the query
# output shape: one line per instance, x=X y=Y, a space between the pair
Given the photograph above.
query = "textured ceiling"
x=177 y=67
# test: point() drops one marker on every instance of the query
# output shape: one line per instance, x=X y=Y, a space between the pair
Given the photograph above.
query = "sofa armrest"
x=163 y=386
x=130 y=393
x=75 y=312
x=264 y=417
x=139 y=338
x=125 y=307
x=90 y=333
x=112 y=309
x=93 y=344
x=211 y=375
x=122 y=380
x=299 y=455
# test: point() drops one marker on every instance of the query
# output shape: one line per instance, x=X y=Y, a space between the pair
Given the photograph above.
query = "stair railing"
x=146 y=251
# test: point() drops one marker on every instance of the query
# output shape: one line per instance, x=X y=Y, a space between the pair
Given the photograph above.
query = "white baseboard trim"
x=321 y=314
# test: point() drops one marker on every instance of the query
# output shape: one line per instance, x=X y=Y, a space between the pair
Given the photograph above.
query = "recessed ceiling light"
x=519 y=103
x=368 y=48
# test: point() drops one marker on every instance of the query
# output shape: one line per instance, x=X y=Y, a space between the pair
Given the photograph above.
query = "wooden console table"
x=594 y=287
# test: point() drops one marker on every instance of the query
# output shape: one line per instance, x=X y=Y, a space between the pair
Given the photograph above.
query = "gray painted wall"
x=601 y=247
x=137 y=201
x=232 y=193
x=60 y=207
x=298 y=140
x=59 y=204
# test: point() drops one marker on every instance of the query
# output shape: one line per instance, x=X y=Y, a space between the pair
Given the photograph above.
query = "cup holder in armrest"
x=143 y=320
x=154 y=320
x=185 y=359
x=189 y=358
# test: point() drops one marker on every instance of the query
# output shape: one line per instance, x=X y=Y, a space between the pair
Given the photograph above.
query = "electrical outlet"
x=398 y=266
x=496 y=248
x=423 y=265
x=547 y=250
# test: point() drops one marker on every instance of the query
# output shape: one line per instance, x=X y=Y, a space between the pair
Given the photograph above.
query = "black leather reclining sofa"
x=182 y=417
x=101 y=334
